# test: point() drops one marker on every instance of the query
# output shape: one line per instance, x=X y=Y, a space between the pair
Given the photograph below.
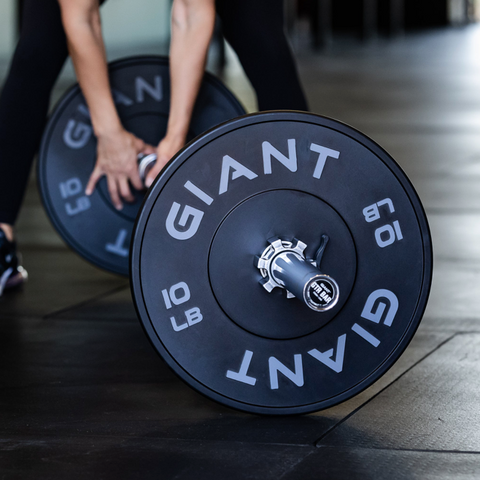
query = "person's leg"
x=255 y=30
x=24 y=100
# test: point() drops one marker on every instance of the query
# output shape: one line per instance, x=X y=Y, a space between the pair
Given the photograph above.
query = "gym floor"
x=83 y=392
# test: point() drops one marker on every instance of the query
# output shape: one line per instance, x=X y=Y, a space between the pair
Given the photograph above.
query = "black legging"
x=36 y=64
x=254 y=28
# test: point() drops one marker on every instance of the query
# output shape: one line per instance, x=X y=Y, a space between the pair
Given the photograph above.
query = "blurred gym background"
x=85 y=397
x=142 y=27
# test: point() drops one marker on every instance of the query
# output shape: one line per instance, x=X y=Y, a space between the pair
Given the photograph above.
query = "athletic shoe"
x=12 y=274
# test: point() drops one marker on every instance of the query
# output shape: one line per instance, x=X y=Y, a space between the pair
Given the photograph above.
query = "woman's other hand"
x=117 y=159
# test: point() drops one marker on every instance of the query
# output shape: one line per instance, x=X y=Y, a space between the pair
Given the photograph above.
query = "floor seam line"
x=56 y=435
x=292 y=467
x=413 y=450
x=331 y=429
x=51 y=315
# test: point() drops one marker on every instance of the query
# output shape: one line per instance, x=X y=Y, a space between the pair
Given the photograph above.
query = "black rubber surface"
x=285 y=174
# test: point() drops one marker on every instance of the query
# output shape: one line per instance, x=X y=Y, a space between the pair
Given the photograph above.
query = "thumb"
x=148 y=149
x=139 y=144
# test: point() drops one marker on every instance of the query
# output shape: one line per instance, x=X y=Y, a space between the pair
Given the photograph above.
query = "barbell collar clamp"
x=145 y=163
x=283 y=264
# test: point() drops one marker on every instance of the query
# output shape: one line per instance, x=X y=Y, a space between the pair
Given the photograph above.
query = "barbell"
x=280 y=263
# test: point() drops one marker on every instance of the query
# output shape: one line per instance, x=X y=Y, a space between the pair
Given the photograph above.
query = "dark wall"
x=347 y=15
x=19 y=13
x=416 y=13
x=426 y=13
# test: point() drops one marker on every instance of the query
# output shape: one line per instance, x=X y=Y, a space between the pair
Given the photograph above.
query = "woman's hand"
x=117 y=154
x=117 y=149
x=166 y=149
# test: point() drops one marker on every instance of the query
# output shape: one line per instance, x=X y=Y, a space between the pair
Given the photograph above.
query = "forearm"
x=81 y=20
x=117 y=149
x=192 y=28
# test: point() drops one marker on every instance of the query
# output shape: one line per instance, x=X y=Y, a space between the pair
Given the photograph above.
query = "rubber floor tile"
x=435 y=406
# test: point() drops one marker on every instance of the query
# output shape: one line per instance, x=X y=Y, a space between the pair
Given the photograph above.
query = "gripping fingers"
x=125 y=189
x=150 y=178
x=113 y=191
x=92 y=182
x=154 y=171
x=136 y=180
